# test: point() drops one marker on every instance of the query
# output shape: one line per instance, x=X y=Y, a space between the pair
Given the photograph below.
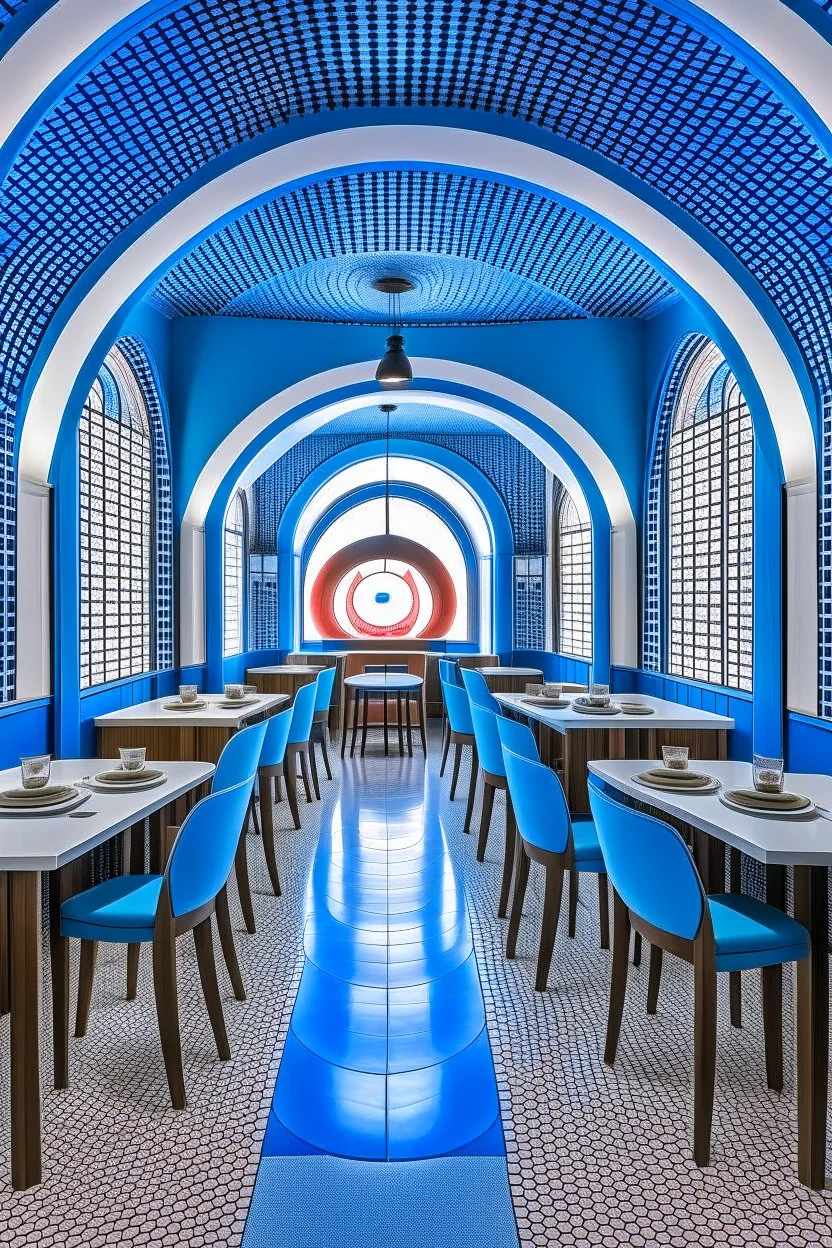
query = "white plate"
x=636 y=708
x=582 y=709
x=557 y=704
x=126 y=786
x=231 y=704
x=199 y=705
x=713 y=787
x=769 y=814
x=60 y=808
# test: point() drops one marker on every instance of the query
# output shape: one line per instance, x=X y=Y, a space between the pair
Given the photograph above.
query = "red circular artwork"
x=403 y=550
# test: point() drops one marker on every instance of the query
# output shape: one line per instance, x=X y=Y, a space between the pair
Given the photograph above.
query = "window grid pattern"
x=825 y=564
x=464 y=259
x=234 y=564
x=710 y=512
x=574 y=580
x=529 y=612
x=163 y=606
x=263 y=612
x=8 y=561
x=116 y=527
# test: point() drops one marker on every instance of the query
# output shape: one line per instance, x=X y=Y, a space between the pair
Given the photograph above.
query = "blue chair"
x=140 y=909
x=460 y=734
x=546 y=835
x=658 y=891
x=492 y=769
x=448 y=675
x=320 y=722
x=297 y=747
x=271 y=769
x=477 y=689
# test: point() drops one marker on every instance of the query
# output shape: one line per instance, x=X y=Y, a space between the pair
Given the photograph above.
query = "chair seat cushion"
x=749 y=933
x=588 y=856
x=121 y=910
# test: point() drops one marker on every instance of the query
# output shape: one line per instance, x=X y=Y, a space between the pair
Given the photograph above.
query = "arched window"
x=116 y=503
x=234 y=564
x=709 y=498
x=574 y=579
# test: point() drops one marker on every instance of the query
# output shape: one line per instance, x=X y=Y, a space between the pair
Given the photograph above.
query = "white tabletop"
x=285 y=669
x=46 y=842
x=666 y=714
x=805 y=841
x=390 y=682
x=153 y=714
x=531 y=672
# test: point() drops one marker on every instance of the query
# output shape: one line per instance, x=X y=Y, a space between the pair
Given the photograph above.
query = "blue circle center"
x=382 y=596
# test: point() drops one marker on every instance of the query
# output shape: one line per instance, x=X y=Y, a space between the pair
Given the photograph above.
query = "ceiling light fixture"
x=394 y=369
x=387 y=408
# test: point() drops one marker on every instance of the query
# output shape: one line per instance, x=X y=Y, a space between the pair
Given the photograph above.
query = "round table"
x=510 y=679
x=400 y=685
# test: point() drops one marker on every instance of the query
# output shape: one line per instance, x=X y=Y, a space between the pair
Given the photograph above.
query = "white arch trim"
x=624 y=641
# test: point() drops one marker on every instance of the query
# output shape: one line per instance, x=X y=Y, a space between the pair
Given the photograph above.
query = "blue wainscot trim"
x=102 y=699
x=808 y=743
x=235 y=666
x=25 y=728
x=555 y=666
x=704 y=697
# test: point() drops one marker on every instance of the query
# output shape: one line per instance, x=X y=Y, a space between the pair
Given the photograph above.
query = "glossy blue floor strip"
x=387 y=1057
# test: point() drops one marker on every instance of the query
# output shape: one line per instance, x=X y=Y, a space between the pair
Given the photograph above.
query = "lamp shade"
x=394 y=368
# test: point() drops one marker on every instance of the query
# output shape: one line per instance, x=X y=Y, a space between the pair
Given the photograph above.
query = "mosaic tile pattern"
x=601 y=1156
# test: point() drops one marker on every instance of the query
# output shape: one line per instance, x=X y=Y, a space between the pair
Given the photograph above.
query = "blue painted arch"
x=414 y=493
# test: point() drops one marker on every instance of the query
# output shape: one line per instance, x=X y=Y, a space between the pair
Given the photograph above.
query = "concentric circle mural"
x=383 y=586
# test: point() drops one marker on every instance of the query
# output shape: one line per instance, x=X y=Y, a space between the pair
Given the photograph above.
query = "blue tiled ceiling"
x=415 y=418
x=478 y=252
x=635 y=85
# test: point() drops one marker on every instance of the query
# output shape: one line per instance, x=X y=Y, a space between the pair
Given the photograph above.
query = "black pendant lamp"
x=394 y=371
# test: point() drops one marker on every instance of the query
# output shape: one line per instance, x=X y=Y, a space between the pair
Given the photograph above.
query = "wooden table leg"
x=811 y=908
x=364 y=723
x=25 y=959
x=409 y=726
x=4 y=943
x=400 y=723
x=386 y=740
x=421 y=704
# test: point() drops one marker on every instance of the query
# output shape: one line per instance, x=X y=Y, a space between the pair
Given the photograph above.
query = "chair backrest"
x=277 y=735
x=518 y=738
x=487 y=739
x=649 y=864
x=303 y=710
x=539 y=802
x=477 y=689
x=449 y=672
x=203 y=852
x=240 y=757
x=326 y=680
x=458 y=708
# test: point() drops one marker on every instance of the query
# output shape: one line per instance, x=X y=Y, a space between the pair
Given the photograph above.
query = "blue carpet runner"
x=387 y=1057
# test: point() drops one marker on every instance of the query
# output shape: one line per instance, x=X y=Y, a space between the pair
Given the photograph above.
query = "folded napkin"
x=119 y=776
x=665 y=778
x=636 y=708
x=767 y=801
x=49 y=795
x=586 y=709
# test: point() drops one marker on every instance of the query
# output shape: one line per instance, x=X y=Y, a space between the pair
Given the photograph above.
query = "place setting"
x=234 y=696
x=549 y=694
x=675 y=775
x=188 y=700
x=36 y=795
x=132 y=774
x=596 y=702
x=768 y=797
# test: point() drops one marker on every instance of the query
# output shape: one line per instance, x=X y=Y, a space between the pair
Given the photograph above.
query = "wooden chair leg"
x=243 y=885
x=457 y=761
x=654 y=979
x=485 y=819
x=446 y=745
x=86 y=976
x=521 y=879
x=267 y=813
x=508 y=859
x=409 y=726
x=325 y=753
x=356 y=702
x=303 y=755
x=618 y=977
x=472 y=789
x=637 y=949
x=421 y=705
x=167 y=1012
x=229 y=949
x=603 y=910
x=313 y=767
x=553 y=891
x=400 y=723
x=704 y=1048
x=386 y=727
x=254 y=816
x=573 y=900
x=291 y=788
x=204 y=943
x=134 y=953
x=772 y=985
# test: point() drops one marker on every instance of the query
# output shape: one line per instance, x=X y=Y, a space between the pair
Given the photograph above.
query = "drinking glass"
x=768 y=774
x=599 y=695
x=675 y=757
x=551 y=689
x=187 y=693
x=35 y=770
x=234 y=692
x=534 y=689
x=132 y=757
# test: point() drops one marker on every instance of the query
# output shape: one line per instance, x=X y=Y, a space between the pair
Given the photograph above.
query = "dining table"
x=59 y=845
x=569 y=738
x=800 y=842
x=501 y=679
x=283 y=678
